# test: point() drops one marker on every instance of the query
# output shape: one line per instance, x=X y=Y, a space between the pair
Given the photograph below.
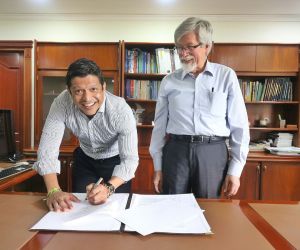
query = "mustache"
x=187 y=58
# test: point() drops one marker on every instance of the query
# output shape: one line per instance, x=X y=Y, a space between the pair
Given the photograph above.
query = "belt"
x=197 y=138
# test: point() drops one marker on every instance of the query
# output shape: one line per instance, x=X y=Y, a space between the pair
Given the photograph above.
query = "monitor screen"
x=7 y=138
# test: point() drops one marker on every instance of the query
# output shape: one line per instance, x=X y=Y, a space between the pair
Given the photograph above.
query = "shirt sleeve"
x=160 y=126
x=128 y=146
x=239 y=129
x=47 y=155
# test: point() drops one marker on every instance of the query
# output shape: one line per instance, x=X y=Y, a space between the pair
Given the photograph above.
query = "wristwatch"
x=110 y=187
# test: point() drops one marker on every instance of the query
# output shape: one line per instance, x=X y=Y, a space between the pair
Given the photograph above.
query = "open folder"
x=144 y=214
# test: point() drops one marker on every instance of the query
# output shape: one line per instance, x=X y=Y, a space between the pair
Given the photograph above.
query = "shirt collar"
x=102 y=107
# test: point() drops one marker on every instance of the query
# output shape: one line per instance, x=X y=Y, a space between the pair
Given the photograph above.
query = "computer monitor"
x=7 y=136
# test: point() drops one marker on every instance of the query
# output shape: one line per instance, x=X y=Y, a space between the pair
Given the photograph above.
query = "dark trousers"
x=87 y=170
x=194 y=167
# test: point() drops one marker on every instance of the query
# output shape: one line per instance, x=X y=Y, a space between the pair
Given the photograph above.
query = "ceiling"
x=274 y=9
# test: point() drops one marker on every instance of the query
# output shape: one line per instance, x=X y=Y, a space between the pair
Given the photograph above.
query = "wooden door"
x=280 y=181
x=11 y=79
x=15 y=86
x=249 y=189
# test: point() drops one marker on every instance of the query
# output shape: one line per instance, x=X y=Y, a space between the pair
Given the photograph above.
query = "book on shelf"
x=272 y=89
x=142 y=89
x=160 y=60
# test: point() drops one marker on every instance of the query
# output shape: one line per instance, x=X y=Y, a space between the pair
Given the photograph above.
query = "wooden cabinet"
x=143 y=181
x=36 y=183
x=52 y=61
x=274 y=179
x=239 y=57
x=264 y=64
x=277 y=58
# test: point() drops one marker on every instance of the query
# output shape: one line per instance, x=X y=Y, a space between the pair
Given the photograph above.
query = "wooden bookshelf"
x=250 y=61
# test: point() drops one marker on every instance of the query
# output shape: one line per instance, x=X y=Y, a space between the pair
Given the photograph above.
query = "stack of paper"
x=147 y=214
x=283 y=140
x=165 y=214
x=284 y=150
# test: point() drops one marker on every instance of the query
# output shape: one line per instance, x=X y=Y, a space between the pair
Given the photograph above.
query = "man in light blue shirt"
x=198 y=107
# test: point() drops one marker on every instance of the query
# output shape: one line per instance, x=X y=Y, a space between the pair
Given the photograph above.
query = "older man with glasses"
x=199 y=106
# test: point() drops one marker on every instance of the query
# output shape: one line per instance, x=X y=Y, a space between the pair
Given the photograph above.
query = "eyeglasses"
x=189 y=48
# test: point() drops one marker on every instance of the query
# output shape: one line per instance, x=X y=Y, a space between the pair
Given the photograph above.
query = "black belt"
x=197 y=138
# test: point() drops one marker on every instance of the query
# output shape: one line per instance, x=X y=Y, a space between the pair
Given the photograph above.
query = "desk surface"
x=236 y=225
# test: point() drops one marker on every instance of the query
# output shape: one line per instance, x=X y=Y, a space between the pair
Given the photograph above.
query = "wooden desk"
x=16 y=179
x=236 y=225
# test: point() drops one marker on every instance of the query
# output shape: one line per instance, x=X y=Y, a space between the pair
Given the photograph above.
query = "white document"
x=165 y=214
x=85 y=217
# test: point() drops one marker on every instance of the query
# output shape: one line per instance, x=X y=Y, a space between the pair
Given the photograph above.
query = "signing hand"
x=231 y=185
x=96 y=194
x=61 y=201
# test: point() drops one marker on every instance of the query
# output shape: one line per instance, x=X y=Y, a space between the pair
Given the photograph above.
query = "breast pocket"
x=218 y=103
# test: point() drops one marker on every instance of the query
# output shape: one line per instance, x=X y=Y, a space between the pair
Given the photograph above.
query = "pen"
x=95 y=185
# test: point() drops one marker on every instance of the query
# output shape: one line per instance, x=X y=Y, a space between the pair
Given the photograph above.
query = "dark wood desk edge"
x=39 y=240
x=6 y=183
x=272 y=235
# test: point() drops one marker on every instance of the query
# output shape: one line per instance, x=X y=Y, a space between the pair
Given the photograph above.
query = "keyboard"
x=14 y=170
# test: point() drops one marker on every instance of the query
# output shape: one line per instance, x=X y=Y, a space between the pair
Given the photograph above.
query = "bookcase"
x=262 y=62
x=252 y=62
x=144 y=73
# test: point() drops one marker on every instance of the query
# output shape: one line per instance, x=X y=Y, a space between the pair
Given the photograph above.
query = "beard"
x=188 y=64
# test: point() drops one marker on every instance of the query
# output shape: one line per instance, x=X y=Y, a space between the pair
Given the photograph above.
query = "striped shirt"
x=110 y=132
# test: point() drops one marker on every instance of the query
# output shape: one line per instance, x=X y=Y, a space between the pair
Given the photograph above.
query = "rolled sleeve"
x=47 y=160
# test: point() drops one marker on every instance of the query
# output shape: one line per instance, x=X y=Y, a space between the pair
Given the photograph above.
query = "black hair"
x=83 y=67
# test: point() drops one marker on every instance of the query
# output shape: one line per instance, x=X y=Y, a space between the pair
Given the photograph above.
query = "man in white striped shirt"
x=106 y=129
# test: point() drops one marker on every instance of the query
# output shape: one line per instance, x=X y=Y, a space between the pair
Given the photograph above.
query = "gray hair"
x=201 y=27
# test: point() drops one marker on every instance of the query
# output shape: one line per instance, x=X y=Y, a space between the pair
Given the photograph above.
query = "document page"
x=85 y=217
x=164 y=213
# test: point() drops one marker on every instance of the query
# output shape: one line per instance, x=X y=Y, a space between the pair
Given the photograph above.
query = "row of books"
x=273 y=89
x=142 y=89
x=161 y=60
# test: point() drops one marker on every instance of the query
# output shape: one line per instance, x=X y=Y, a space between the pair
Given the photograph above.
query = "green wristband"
x=53 y=191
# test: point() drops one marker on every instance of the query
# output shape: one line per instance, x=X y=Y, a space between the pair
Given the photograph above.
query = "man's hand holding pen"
x=97 y=193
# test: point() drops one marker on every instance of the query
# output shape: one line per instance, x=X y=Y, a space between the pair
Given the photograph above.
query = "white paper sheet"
x=164 y=213
x=85 y=217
